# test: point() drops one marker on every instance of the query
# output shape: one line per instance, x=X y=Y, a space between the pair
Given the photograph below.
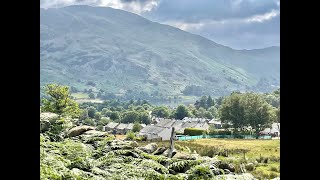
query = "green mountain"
x=122 y=53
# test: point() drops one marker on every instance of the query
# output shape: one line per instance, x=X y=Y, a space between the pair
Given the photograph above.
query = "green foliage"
x=194 y=131
x=59 y=101
x=130 y=135
x=97 y=116
x=200 y=172
x=136 y=127
x=161 y=111
x=181 y=112
x=246 y=109
x=91 y=112
x=89 y=122
x=114 y=116
x=91 y=95
x=130 y=117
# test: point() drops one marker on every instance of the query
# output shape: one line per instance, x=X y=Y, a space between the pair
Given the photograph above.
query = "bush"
x=220 y=132
x=130 y=135
x=193 y=131
x=274 y=168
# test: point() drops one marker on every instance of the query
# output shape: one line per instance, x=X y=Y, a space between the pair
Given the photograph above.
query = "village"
x=160 y=129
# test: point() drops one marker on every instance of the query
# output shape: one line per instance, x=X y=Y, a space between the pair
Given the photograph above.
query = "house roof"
x=130 y=126
x=166 y=122
x=121 y=126
x=112 y=125
x=152 y=129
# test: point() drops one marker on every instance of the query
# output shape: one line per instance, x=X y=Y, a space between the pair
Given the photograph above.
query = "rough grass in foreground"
x=264 y=154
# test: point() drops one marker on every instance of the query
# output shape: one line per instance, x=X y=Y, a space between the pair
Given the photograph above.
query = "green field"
x=80 y=95
x=264 y=154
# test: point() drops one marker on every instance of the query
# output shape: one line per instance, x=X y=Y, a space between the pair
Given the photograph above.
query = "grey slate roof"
x=121 y=126
x=112 y=125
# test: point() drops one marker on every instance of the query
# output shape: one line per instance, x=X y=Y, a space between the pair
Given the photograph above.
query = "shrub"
x=274 y=168
x=273 y=175
x=130 y=135
x=193 y=131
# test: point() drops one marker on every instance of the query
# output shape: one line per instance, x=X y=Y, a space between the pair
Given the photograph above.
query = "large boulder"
x=95 y=133
x=48 y=116
x=250 y=166
x=182 y=155
x=76 y=131
x=149 y=148
x=166 y=152
x=44 y=126
x=229 y=166
x=159 y=151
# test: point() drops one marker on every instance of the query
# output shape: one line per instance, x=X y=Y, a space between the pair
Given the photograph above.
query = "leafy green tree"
x=91 y=111
x=214 y=111
x=136 y=127
x=181 y=112
x=207 y=115
x=114 y=116
x=161 y=111
x=97 y=116
x=210 y=102
x=144 y=118
x=258 y=113
x=89 y=122
x=130 y=117
x=83 y=115
x=59 y=101
x=248 y=109
x=232 y=111
x=91 y=95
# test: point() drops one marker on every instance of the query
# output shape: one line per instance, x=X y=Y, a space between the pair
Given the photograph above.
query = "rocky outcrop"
x=76 y=131
x=150 y=148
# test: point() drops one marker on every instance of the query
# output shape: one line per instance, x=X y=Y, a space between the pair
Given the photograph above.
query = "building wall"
x=165 y=134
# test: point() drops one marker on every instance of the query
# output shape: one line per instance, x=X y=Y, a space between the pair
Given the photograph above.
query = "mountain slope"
x=122 y=52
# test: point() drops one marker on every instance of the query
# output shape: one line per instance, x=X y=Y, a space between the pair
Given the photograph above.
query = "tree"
x=248 y=109
x=232 y=111
x=91 y=111
x=91 y=95
x=214 y=111
x=114 y=116
x=258 y=113
x=136 y=127
x=97 y=116
x=130 y=117
x=210 y=102
x=144 y=118
x=161 y=111
x=181 y=112
x=59 y=101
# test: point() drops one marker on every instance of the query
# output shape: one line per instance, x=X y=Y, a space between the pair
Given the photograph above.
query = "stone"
x=76 y=131
x=250 y=166
x=149 y=148
x=159 y=151
x=48 y=116
x=182 y=155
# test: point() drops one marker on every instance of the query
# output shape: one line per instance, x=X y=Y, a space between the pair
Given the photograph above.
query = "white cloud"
x=260 y=18
x=134 y=6
x=263 y=17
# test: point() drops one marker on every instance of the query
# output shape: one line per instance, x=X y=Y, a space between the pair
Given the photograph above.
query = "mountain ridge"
x=122 y=51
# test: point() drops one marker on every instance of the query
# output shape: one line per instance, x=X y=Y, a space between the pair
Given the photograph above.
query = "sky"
x=239 y=24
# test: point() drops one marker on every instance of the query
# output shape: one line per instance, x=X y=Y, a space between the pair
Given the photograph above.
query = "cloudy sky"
x=239 y=24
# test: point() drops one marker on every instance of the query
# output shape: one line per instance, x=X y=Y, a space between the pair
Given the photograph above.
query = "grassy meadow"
x=263 y=154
